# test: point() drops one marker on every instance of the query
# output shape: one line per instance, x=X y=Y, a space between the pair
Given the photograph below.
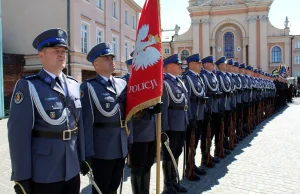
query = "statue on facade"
x=177 y=28
x=286 y=23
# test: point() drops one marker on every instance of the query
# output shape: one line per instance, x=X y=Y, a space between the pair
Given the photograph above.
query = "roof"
x=166 y=36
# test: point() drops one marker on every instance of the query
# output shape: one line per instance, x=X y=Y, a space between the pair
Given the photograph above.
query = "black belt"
x=64 y=135
x=120 y=124
x=178 y=107
x=202 y=100
x=215 y=96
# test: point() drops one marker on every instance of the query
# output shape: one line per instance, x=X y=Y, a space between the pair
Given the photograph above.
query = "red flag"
x=145 y=83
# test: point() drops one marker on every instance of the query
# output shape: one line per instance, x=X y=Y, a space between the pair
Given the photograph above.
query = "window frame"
x=133 y=21
x=187 y=54
x=232 y=50
x=98 y=29
x=274 y=57
x=88 y=37
x=101 y=4
x=115 y=47
x=115 y=9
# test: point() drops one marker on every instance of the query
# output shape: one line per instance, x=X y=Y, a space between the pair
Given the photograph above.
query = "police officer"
x=245 y=98
x=103 y=100
x=239 y=105
x=143 y=149
x=225 y=101
x=196 y=90
x=212 y=91
x=174 y=121
x=45 y=131
x=129 y=68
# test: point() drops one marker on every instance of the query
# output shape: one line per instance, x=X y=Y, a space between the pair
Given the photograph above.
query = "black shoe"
x=179 y=188
x=196 y=177
x=215 y=159
x=227 y=152
x=199 y=171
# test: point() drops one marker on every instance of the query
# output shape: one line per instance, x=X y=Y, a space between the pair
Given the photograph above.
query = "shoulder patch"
x=32 y=77
x=19 y=97
x=72 y=78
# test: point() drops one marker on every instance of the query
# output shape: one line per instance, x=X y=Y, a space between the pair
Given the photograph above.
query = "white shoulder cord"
x=98 y=105
x=193 y=87
x=168 y=87
x=209 y=86
x=223 y=86
x=34 y=96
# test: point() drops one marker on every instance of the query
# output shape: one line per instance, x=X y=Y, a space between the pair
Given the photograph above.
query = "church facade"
x=237 y=29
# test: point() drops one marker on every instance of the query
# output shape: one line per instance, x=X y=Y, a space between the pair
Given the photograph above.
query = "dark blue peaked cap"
x=172 y=59
x=221 y=60
x=236 y=64
x=242 y=65
x=102 y=49
x=128 y=62
x=194 y=57
x=255 y=70
x=230 y=62
x=249 y=67
x=51 y=38
x=208 y=59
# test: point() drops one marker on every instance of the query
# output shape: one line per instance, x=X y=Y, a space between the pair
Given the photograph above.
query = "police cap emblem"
x=60 y=33
x=19 y=97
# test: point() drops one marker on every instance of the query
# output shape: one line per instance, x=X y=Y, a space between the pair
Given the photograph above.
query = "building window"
x=115 y=10
x=184 y=54
x=84 y=37
x=297 y=73
x=126 y=51
x=126 y=17
x=99 y=35
x=115 y=46
x=297 y=45
x=100 y=4
x=134 y=22
x=297 y=60
x=276 y=54
x=229 y=45
x=167 y=51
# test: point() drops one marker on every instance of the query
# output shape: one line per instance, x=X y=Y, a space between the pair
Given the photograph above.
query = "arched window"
x=184 y=54
x=229 y=45
x=276 y=54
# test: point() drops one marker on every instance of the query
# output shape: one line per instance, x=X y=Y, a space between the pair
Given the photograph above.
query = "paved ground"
x=267 y=161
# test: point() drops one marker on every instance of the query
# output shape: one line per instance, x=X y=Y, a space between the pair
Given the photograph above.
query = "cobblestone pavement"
x=267 y=161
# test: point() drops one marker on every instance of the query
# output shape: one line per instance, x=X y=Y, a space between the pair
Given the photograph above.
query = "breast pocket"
x=53 y=109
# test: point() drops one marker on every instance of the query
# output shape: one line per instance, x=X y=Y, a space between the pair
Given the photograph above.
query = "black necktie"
x=110 y=83
x=58 y=81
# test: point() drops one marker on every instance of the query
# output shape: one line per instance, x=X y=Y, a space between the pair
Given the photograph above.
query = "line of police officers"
x=58 y=128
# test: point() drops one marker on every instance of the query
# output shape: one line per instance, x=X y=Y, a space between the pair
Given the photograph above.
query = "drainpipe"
x=292 y=55
x=2 y=113
x=69 y=37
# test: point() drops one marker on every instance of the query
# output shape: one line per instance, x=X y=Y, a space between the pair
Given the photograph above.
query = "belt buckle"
x=122 y=122
x=67 y=134
x=185 y=107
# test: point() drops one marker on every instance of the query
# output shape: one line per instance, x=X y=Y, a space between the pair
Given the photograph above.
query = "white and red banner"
x=146 y=80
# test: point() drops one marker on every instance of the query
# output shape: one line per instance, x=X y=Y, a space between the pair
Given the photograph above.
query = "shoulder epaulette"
x=71 y=78
x=90 y=79
x=31 y=77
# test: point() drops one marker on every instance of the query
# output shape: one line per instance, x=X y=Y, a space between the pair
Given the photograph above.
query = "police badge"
x=19 y=97
x=52 y=115
x=48 y=80
x=60 y=33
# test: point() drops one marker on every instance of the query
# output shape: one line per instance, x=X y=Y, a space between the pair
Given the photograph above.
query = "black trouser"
x=239 y=109
x=198 y=131
x=107 y=174
x=71 y=186
x=142 y=156
x=176 y=141
x=215 y=129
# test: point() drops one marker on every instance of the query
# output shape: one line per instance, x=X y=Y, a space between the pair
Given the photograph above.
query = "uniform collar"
x=54 y=76
x=193 y=72
x=173 y=76
x=106 y=79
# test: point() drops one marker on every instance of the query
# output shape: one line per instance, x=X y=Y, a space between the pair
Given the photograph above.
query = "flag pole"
x=158 y=132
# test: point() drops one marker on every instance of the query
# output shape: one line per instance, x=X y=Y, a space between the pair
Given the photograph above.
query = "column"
x=286 y=53
x=252 y=40
x=195 y=25
x=206 y=37
x=264 y=42
x=213 y=45
x=76 y=72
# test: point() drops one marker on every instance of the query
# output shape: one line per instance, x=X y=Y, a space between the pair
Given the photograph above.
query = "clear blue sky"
x=175 y=12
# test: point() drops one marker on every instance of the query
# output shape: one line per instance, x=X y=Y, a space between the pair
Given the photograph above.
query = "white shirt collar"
x=194 y=72
x=105 y=78
x=54 y=76
x=173 y=76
